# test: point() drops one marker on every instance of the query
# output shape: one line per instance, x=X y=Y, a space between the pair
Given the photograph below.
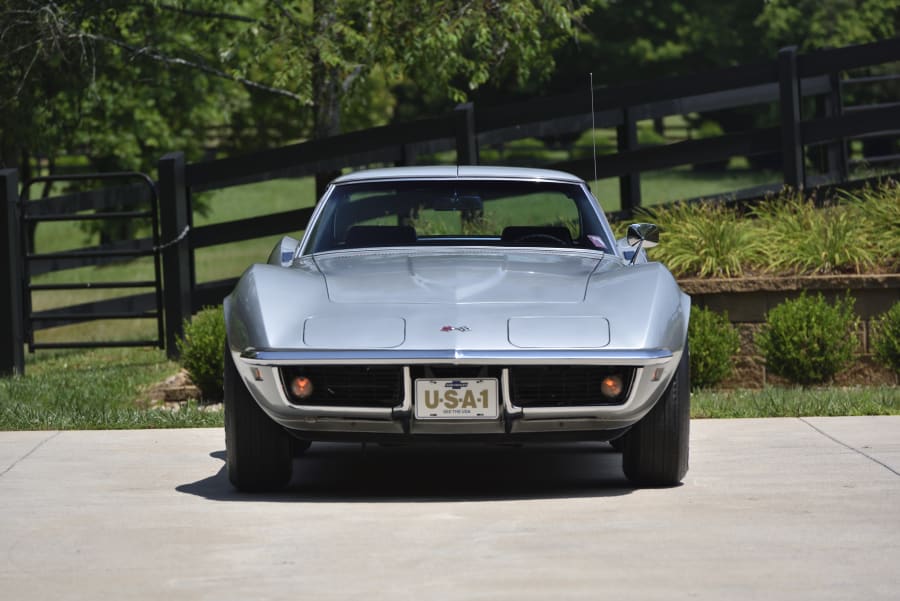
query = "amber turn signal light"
x=301 y=387
x=611 y=387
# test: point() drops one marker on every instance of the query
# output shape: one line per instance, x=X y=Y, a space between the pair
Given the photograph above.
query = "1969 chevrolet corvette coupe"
x=450 y=304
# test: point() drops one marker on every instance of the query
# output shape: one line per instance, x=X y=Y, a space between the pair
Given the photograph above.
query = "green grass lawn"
x=106 y=389
x=97 y=389
x=211 y=263
x=681 y=184
x=796 y=402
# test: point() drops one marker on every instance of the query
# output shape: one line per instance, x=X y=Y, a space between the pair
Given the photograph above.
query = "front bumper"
x=653 y=369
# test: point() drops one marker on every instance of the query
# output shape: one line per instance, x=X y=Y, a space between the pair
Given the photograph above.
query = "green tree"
x=814 y=24
x=127 y=79
x=328 y=51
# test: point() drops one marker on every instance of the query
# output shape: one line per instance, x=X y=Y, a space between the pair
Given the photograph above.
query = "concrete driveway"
x=771 y=509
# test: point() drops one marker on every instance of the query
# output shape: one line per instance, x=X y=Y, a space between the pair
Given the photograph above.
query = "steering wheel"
x=541 y=240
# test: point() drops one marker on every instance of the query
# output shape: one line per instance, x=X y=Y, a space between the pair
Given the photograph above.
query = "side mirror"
x=284 y=251
x=643 y=235
x=640 y=236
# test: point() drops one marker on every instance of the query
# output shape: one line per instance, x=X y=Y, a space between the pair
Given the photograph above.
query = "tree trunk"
x=326 y=92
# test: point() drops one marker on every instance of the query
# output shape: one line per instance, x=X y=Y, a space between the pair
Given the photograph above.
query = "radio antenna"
x=593 y=129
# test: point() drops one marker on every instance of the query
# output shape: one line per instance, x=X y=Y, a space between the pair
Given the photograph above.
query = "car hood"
x=458 y=276
x=469 y=299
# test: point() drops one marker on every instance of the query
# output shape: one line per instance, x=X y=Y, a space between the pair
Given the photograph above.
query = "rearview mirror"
x=457 y=202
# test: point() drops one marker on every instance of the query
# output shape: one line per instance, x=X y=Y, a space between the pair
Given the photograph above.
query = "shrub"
x=886 y=338
x=713 y=342
x=802 y=238
x=807 y=340
x=702 y=239
x=647 y=136
x=879 y=209
x=201 y=351
x=524 y=149
x=708 y=129
x=585 y=144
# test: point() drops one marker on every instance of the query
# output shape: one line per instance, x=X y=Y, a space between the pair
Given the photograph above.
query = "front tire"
x=655 y=450
x=258 y=451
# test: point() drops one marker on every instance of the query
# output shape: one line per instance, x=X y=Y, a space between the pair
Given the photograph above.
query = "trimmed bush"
x=807 y=340
x=201 y=351
x=886 y=338
x=713 y=341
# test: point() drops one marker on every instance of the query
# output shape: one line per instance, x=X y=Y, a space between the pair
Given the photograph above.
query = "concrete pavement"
x=775 y=509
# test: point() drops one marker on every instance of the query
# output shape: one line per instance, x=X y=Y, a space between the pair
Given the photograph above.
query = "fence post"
x=789 y=98
x=466 y=141
x=836 y=151
x=629 y=183
x=174 y=219
x=408 y=155
x=12 y=340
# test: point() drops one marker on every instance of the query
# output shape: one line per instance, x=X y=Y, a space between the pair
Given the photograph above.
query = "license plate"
x=457 y=399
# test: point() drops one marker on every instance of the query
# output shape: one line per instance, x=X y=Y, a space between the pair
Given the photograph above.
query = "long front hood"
x=457 y=276
x=464 y=300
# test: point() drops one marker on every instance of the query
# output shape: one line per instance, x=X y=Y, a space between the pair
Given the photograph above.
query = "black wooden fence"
x=787 y=80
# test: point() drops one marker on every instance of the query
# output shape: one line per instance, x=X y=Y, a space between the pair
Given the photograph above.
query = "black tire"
x=258 y=451
x=655 y=450
x=298 y=446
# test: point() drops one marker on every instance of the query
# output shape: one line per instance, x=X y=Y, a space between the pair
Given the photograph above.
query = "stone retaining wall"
x=747 y=300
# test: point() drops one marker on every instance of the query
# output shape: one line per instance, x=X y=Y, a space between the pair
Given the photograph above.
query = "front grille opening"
x=566 y=385
x=345 y=385
x=439 y=372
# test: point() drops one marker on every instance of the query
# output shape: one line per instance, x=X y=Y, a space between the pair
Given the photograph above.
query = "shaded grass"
x=796 y=402
x=683 y=183
x=213 y=263
x=99 y=389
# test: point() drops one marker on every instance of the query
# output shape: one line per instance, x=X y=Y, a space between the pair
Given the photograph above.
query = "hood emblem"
x=455 y=329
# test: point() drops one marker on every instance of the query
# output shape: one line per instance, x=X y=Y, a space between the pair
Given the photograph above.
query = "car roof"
x=461 y=171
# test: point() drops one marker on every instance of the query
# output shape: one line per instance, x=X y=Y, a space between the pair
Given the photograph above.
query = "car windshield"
x=458 y=212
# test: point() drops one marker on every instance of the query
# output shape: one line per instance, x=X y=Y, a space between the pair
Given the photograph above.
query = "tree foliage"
x=122 y=81
x=89 y=78
x=645 y=39
x=814 y=24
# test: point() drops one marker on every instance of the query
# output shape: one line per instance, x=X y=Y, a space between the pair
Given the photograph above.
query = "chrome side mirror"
x=641 y=236
x=644 y=234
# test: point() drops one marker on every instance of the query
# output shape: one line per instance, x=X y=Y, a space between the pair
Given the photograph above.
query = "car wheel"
x=655 y=450
x=258 y=451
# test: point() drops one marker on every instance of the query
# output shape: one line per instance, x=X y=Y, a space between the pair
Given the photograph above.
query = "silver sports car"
x=457 y=304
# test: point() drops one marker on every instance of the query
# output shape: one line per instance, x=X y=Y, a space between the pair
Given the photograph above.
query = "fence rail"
x=791 y=81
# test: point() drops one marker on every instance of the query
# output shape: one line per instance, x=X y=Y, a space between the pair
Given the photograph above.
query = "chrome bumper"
x=259 y=369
